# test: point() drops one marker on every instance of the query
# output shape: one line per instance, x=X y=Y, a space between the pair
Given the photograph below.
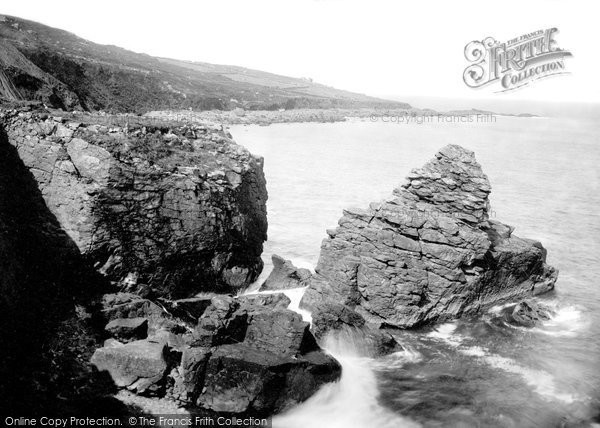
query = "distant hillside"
x=62 y=70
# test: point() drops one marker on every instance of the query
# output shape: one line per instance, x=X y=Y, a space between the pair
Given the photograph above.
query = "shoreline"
x=163 y=118
x=265 y=118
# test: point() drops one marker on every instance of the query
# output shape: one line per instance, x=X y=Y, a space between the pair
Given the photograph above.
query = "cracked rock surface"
x=429 y=253
x=167 y=208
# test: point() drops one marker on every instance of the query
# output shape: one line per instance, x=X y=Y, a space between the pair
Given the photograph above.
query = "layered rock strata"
x=429 y=253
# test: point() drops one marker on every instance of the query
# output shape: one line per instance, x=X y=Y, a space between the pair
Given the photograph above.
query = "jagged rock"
x=245 y=320
x=125 y=329
x=279 y=331
x=241 y=379
x=429 y=253
x=349 y=326
x=285 y=275
x=133 y=210
x=529 y=313
x=250 y=354
x=139 y=366
x=221 y=323
x=127 y=305
x=271 y=300
x=189 y=376
x=333 y=316
x=190 y=309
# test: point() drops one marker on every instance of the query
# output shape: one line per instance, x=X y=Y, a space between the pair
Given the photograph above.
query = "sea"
x=479 y=372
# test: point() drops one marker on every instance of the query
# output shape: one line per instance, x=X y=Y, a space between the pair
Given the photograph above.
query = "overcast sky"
x=378 y=47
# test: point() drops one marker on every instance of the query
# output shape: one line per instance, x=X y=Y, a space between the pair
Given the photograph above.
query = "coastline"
x=266 y=117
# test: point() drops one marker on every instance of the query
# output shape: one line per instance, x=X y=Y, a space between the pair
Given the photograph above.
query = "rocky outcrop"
x=528 y=313
x=285 y=275
x=161 y=210
x=245 y=355
x=429 y=253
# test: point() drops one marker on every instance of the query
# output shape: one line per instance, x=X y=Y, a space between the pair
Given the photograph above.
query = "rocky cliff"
x=429 y=253
x=160 y=209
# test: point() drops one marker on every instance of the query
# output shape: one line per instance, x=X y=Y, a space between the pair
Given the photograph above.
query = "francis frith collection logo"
x=515 y=63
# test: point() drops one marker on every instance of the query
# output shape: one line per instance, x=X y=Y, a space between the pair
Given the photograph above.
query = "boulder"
x=140 y=366
x=190 y=309
x=241 y=379
x=128 y=305
x=279 y=331
x=529 y=313
x=285 y=275
x=429 y=253
x=126 y=329
x=250 y=355
x=334 y=316
x=221 y=323
x=346 y=325
x=246 y=320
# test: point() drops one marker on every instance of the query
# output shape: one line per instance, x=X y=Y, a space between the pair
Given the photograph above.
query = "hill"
x=62 y=70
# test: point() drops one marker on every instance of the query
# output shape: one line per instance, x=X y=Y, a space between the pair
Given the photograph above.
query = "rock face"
x=285 y=275
x=165 y=209
x=429 y=253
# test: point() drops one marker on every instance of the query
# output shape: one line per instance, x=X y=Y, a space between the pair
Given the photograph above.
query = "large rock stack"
x=429 y=253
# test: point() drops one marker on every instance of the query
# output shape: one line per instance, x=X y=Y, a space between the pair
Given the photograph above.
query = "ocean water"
x=468 y=373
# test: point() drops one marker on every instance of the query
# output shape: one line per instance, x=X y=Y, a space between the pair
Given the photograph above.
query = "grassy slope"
x=66 y=71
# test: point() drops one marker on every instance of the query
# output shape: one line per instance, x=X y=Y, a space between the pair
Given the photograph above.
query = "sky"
x=377 y=47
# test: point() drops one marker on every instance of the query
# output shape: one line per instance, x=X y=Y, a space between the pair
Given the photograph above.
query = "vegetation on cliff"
x=62 y=70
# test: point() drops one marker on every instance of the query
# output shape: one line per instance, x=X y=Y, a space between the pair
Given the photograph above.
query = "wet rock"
x=429 y=253
x=350 y=327
x=279 y=331
x=126 y=329
x=285 y=275
x=529 y=313
x=241 y=379
x=333 y=316
x=139 y=366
